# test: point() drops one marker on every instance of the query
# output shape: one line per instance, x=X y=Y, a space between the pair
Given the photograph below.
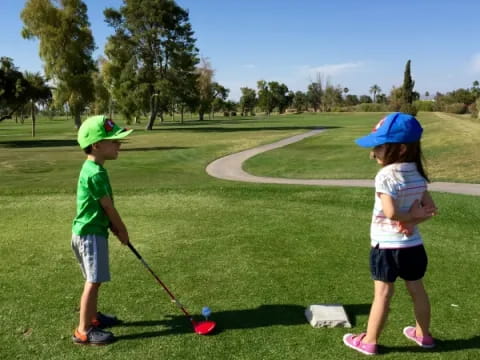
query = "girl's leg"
x=421 y=305
x=378 y=311
x=88 y=306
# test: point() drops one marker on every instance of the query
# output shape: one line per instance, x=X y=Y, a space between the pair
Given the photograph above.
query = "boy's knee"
x=92 y=285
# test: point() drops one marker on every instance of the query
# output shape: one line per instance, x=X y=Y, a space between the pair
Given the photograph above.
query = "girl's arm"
x=420 y=210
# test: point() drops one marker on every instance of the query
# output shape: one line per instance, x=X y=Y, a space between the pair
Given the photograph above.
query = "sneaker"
x=423 y=341
x=93 y=336
x=355 y=342
x=105 y=320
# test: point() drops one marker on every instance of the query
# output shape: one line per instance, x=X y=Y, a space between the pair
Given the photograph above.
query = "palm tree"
x=375 y=89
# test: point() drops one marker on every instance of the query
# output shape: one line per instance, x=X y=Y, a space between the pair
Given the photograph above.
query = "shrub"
x=409 y=109
x=457 y=108
x=473 y=109
x=423 y=105
x=369 y=107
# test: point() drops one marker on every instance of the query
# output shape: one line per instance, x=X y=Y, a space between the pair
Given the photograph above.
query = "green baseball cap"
x=98 y=128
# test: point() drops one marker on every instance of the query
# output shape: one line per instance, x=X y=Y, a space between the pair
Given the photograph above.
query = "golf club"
x=200 y=327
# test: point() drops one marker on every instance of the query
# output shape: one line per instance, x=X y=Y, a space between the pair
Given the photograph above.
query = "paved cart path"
x=230 y=168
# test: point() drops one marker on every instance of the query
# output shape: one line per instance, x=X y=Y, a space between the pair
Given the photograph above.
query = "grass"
x=450 y=147
x=256 y=254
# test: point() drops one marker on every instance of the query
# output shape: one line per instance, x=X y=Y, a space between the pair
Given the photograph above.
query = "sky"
x=350 y=43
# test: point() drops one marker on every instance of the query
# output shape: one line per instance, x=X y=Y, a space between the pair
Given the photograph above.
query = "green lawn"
x=256 y=254
x=450 y=147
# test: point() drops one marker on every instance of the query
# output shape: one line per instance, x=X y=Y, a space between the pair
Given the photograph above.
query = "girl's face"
x=378 y=153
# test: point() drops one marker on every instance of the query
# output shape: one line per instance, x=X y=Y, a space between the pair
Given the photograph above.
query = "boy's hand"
x=123 y=237
x=114 y=229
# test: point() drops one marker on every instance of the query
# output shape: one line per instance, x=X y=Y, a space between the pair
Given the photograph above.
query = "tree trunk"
x=181 y=114
x=153 y=115
x=200 y=116
x=33 y=118
x=77 y=120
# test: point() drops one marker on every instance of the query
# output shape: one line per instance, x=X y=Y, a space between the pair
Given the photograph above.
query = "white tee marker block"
x=327 y=315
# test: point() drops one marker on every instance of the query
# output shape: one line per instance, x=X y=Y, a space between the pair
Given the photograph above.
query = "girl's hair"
x=413 y=153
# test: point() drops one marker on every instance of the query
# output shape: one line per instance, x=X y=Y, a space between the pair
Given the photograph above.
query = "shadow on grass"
x=441 y=346
x=37 y=143
x=354 y=310
x=63 y=143
x=187 y=122
x=155 y=148
x=238 y=129
x=262 y=316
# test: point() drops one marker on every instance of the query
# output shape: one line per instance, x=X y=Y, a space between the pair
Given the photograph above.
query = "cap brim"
x=119 y=135
x=369 y=141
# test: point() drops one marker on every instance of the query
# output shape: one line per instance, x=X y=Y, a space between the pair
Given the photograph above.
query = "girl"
x=401 y=202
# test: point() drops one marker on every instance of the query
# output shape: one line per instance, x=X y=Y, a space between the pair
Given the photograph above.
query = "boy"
x=100 y=138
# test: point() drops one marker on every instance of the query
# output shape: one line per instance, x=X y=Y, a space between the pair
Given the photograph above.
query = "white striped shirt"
x=404 y=184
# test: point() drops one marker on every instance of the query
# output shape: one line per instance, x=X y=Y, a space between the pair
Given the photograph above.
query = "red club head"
x=204 y=327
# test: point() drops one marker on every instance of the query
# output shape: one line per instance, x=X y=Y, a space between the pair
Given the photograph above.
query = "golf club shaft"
x=160 y=282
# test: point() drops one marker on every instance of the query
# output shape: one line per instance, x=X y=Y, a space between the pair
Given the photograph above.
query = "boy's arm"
x=117 y=225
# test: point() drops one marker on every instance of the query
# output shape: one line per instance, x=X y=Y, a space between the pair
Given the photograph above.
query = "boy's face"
x=107 y=149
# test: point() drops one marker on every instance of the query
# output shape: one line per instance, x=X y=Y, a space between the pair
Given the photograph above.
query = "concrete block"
x=327 y=315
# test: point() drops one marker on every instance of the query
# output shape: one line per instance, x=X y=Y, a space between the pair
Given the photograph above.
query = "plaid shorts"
x=92 y=255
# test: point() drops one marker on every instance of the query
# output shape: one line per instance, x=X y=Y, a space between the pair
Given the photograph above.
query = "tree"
x=153 y=53
x=37 y=93
x=331 y=97
x=13 y=88
x=300 y=101
x=66 y=47
x=476 y=89
x=408 y=85
x=102 y=97
x=265 y=97
x=395 y=98
x=230 y=108
x=351 y=100
x=220 y=94
x=281 y=97
x=205 y=87
x=365 y=99
x=248 y=101
x=375 y=89
x=315 y=93
x=382 y=98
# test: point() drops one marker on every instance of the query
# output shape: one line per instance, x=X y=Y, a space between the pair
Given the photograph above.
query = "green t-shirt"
x=93 y=184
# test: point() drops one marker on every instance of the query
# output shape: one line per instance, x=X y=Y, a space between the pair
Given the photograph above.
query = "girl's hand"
x=406 y=228
x=419 y=212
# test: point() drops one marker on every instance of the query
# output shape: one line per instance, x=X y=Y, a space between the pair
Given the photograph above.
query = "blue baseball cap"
x=397 y=128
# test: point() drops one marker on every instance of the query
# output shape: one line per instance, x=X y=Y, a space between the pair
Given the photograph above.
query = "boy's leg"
x=379 y=311
x=421 y=306
x=88 y=306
